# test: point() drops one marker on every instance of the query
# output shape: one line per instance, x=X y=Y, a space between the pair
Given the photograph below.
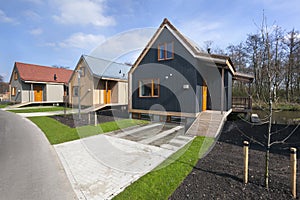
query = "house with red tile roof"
x=36 y=83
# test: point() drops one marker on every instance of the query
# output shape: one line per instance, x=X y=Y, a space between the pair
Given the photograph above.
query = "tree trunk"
x=268 y=144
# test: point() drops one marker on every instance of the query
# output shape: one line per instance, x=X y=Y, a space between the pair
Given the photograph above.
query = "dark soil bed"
x=102 y=117
x=219 y=175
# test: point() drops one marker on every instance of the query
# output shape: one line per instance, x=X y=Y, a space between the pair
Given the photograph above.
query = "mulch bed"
x=102 y=117
x=219 y=175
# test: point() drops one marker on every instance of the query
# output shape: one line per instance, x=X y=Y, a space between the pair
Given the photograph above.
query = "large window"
x=166 y=51
x=13 y=91
x=149 y=88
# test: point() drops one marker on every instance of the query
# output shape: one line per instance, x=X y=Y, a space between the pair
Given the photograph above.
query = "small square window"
x=15 y=75
x=13 y=91
x=161 y=52
x=166 y=51
x=149 y=88
x=155 y=87
x=82 y=69
x=146 y=88
x=75 y=91
x=169 y=50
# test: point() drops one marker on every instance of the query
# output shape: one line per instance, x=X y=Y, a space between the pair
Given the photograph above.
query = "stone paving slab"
x=100 y=167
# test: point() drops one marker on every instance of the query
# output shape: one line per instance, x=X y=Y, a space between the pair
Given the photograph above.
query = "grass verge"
x=4 y=105
x=57 y=132
x=33 y=110
x=161 y=183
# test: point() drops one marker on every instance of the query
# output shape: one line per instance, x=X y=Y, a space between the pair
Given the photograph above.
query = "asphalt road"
x=29 y=165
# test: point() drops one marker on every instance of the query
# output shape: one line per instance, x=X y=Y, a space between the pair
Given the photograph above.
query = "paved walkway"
x=100 y=167
x=52 y=113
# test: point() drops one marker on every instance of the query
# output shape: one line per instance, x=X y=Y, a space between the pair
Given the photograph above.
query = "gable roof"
x=38 y=73
x=188 y=44
x=106 y=69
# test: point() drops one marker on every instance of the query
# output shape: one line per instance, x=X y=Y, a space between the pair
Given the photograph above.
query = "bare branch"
x=250 y=138
x=283 y=141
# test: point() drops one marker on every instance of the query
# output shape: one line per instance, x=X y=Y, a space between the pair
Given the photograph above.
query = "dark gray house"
x=174 y=77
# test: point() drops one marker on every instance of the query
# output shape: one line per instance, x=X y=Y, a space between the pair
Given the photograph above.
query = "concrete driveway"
x=100 y=167
x=29 y=166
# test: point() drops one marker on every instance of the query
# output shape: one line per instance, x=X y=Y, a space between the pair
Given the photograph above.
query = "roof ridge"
x=36 y=65
x=41 y=73
x=104 y=59
x=194 y=50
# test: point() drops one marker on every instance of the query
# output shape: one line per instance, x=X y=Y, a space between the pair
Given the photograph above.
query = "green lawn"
x=39 y=109
x=161 y=183
x=4 y=105
x=57 y=132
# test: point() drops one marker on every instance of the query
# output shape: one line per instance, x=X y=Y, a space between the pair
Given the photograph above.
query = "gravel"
x=219 y=175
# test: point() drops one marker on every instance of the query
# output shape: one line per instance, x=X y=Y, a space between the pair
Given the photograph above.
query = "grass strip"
x=163 y=181
x=33 y=110
x=57 y=132
x=4 y=105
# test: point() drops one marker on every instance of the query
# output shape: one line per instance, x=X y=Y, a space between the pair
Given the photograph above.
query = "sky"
x=58 y=32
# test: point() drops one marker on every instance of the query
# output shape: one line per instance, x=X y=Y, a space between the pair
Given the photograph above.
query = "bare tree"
x=266 y=57
x=292 y=42
x=3 y=86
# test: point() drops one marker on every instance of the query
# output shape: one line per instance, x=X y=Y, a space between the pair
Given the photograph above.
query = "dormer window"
x=165 y=51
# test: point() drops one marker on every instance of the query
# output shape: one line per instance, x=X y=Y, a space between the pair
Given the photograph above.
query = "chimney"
x=55 y=77
x=208 y=50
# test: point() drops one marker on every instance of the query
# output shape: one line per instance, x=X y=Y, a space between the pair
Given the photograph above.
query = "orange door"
x=107 y=96
x=38 y=93
x=204 y=98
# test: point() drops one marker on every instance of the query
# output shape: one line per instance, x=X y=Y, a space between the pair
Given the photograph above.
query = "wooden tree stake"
x=293 y=171
x=246 y=161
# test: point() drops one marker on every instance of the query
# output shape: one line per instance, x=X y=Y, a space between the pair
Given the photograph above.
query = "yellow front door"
x=38 y=93
x=107 y=96
x=204 y=98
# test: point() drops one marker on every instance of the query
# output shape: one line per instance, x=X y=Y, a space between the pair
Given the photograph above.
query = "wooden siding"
x=184 y=69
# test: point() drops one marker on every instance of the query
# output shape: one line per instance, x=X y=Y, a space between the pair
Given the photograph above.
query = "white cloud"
x=82 y=41
x=37 y=31
x=83 y=12
x=200 y=30
x=4 y=18
x=31 y=15
x=125 y=46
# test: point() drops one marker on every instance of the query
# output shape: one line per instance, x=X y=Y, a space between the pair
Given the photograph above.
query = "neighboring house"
x=101 y=82
x=173 y=77
x=35 y=83
x=5 y=96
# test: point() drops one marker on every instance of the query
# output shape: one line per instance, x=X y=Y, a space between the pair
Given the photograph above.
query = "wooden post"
x=89 y=118
x=293 y=171
x=95 y=119
x=246 y=161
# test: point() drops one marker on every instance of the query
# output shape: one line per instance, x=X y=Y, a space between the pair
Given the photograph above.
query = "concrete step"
x=143 y=128
x=186 y=138
x=168 y=146
x=160 y=135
